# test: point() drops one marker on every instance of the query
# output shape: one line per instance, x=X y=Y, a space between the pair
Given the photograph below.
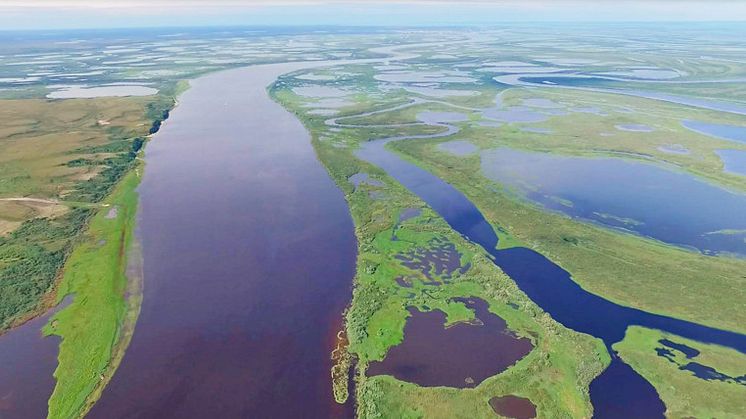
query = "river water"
x=249 y=255
x=27 y=361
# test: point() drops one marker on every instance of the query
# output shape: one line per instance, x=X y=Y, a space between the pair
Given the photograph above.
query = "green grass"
x=68 y=155
x=97 y=326
x=684 y=394
x=90 y=326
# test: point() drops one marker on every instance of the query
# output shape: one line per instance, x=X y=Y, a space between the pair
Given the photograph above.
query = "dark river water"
x=27 y=361
x=249 y=255
x=619 y=392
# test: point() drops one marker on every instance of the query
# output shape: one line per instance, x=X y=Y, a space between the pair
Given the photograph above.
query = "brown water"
x=249 y=256
x=27 y=361
x=513 y=407
x=462 y=355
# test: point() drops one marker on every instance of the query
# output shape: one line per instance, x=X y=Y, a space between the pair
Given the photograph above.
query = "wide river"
x=249 y=255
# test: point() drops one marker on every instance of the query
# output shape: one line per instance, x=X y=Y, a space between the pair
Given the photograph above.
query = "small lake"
x=433 y=355
x=674 y=149
x=513 y=407
x=600 y=84
x=431 y=117
x=722 y=131
x=734 y=161
x=424 y=77
x=634 y=128
x=650 y=200
x=458 y=147
x=439 y=93
x=514 y=114
x=85 y=92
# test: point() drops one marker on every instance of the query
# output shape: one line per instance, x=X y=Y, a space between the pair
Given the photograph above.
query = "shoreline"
x=129 y=258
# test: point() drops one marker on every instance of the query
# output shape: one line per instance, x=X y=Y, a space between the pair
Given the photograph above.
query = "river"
x=249 y=255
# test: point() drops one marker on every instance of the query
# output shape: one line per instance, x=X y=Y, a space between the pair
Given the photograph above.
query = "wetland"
x=392 y=225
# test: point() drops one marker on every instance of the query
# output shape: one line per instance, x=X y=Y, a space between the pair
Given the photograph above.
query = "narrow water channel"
x=619 y=392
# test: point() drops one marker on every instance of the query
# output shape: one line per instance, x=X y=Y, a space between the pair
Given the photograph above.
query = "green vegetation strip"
x=90 y=327
x=684 y=394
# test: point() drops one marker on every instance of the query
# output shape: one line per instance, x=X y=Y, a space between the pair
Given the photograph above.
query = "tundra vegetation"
x=69 y=169
x=73 y=166
x=555 y=375
x=629 y=269
x=74 y=126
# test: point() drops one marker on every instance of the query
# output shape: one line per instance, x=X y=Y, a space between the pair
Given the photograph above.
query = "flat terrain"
x=554 y=376
x=447 y=100
x=65 y=234
x=58 y=160
x=614 y=158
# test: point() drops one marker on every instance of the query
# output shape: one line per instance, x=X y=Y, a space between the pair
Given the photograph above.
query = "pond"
x=674 y=149
x=722 y=131
x=70 y=92
x=650 y=200
x=458 y=147
x=734 y=161
x=430 y=117
x=513 y=407
x=433 y=354
x=514 y=114
x=634 y=128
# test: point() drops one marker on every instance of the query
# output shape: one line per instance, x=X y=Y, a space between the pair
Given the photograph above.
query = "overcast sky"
x=44 y=14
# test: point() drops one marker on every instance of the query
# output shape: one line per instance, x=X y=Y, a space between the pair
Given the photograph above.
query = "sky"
x=71 y=14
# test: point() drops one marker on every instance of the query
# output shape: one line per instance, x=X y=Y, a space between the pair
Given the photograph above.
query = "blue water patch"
x=634 y=128
x=734 y=161
x=458 y=147
x=688 y=351
x=704 y=372
x=644 y=198
x=722 y=131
